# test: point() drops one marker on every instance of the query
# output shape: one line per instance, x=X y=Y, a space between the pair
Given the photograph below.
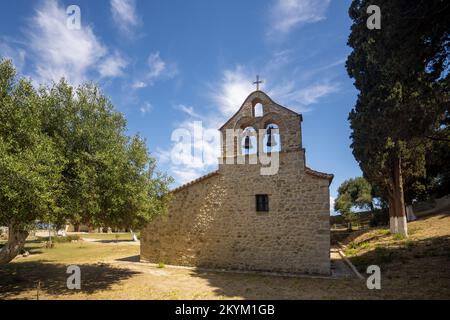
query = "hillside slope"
x=419 y=264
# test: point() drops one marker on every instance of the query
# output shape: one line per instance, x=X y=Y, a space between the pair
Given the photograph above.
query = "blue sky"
x=166 y=64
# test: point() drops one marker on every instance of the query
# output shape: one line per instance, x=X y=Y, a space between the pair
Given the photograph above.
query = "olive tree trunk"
x=16 y=242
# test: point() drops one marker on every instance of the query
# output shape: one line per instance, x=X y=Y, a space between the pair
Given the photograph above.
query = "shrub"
x=65 y=239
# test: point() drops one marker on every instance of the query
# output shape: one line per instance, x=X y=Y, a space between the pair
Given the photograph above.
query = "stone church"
x=237 y=217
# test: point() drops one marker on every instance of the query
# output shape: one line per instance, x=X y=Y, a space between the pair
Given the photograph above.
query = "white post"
x=410 y=213
x=133 y=235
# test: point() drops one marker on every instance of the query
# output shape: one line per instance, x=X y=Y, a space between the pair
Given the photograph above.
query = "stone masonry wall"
x=213 y=223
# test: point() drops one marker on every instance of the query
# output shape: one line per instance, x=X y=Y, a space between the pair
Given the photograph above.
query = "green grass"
x=75 y=252
x=353 y=248
x=399 y=237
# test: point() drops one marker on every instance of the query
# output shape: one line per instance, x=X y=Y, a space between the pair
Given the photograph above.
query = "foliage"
x=401 y=72
x=30 y=164
x=64 y=239
x=65 y=155
x=353 y=193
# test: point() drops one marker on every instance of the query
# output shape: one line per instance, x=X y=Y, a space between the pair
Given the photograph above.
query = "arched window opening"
x=258 y=110
x=249 y=143
x=272 y=139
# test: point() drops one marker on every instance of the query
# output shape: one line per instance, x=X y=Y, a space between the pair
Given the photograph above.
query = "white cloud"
x=312 y=94
x=113 y=66
x=146 y=108
x=138 y=85
x=301 y=98
x=156 y=65
x=184 y=175
x=58 y=51
x=188 y=110
x=287 y=14
x=196 y=149
x=235 y=87
x=332 y=201
x=124 y=15
x=156 y=69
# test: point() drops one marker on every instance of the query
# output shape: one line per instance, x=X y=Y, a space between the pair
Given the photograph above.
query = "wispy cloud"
x=188 y=110
x=234 y=88
x=183 y=175
x=312 y=94
x=156 y=65
x=58 y=51
x=227 y=97
x=146 y=108
x=194 y=154
x=300 y=98
x=124 y=15
x=156 y=69
x=287 y=14
x=138 y=85
x=17 y=55
x=236 y=84
x=113 y=66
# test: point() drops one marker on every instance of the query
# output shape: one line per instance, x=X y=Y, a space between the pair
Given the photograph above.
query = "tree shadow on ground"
x=114 y=241
x=411 y=269
x=405 y=251
x=17 y=278
x=256 y=286
x=416 y=269
x=136 y=258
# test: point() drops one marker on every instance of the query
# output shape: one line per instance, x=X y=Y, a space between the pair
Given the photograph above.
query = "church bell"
x=271 y=139
x=247 y=143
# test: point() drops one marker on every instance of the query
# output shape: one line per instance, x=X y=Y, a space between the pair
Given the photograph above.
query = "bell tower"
x=261 y=125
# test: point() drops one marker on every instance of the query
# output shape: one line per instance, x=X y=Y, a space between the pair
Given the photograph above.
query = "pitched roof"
x=308 y=170
x=268 y=98
x=318 y=174
x=211 y=174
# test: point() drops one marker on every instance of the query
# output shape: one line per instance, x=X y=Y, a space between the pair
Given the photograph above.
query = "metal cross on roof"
x=257 y=82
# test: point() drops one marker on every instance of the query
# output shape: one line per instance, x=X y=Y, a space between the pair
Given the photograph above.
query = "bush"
x=66 y=239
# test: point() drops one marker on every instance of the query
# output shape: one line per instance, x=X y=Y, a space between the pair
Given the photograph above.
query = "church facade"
x=240 y=217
